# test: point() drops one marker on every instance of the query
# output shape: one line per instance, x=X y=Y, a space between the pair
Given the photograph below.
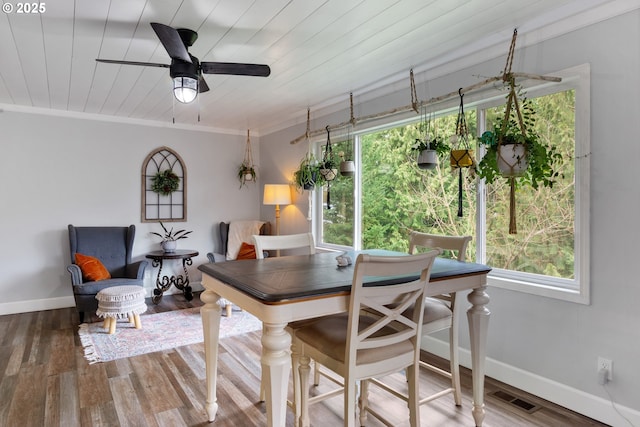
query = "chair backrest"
x=435 y=241
x=388 y=330
x=287 y=241
x=223 y=229
x=113 y=246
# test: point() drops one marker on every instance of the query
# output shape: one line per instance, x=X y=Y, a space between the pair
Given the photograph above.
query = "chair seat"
x=92 y=288
x=330 y=334
x=435 y=309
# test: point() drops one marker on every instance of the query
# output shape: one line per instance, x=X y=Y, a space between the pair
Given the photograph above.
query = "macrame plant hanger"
x=328 y=153
x=512 y=98
x=247 y=163
x=461 y=139
x=309 y=152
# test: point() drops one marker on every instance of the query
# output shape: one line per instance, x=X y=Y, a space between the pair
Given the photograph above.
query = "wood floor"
x=45 y=381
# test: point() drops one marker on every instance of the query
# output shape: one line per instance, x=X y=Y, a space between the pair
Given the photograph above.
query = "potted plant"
x=515 y=151
x=165 y=182
x=246 y=173
x=329 y=164
x=308 y=176
x=329 y=169
x=429 y=149
x=170 y=238
x=461 y=155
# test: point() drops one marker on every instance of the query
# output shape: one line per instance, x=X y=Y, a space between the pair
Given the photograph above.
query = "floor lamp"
x=277 y=194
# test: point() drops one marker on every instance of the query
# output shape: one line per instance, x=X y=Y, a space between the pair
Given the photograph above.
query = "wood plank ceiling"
x=318 y=51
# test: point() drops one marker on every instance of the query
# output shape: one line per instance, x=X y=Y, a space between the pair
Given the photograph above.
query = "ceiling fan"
x=185 y=69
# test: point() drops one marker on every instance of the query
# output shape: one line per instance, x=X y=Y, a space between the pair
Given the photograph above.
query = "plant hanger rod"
x=416 y=106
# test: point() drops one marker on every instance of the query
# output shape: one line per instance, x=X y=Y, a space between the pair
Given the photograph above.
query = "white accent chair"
x=440 y=312
x=357 y=346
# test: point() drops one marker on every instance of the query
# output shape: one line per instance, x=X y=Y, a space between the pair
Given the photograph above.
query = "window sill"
x=577 y=295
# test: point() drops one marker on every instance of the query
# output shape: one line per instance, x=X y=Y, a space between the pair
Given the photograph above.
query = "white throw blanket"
x=241 y=231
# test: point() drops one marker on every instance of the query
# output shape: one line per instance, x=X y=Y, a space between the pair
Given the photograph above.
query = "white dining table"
x=290 y=288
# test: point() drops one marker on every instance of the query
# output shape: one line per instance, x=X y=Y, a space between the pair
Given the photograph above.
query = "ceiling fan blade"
x=202 y=84
x=235 y=69
x=144 y=64
x=170 y=39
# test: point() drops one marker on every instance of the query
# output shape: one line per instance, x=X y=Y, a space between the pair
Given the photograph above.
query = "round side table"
x=180 y=281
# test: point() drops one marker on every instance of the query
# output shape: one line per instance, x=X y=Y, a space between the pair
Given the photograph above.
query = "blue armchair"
x=113 y=247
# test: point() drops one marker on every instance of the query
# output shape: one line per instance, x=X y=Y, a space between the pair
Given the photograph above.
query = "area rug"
x=161 y=331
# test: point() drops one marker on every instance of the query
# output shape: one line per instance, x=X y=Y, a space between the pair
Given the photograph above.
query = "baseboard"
x=36 y=305
x=576 y=400
x=28 y=306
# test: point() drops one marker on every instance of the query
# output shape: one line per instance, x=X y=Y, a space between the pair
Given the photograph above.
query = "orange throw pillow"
x=246 y=251
x=92 y=269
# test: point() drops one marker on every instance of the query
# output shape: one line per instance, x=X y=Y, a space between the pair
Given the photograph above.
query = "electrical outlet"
x=606 y=364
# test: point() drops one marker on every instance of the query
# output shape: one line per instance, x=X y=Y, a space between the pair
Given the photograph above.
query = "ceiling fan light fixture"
x=185 y=89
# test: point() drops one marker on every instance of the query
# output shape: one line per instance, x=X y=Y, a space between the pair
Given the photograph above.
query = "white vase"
x=427 y=159
x=512 y=159
x=169 y=246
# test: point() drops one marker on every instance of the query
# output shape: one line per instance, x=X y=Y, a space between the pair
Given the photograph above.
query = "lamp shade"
x=185 y=89
x=276 y=194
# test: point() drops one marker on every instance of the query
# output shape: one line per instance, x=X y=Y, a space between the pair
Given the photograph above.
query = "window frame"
x=575 y=290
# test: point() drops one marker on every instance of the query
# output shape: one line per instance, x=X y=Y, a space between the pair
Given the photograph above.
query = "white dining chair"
x=440 y=313
x=357 y=346
x=304 y=243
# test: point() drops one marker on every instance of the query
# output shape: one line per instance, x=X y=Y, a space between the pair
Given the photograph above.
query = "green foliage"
x=170 y=234
x=543 y=159
x=308 y=174
x=436 y=143
x=165 y=182
x=246 y=173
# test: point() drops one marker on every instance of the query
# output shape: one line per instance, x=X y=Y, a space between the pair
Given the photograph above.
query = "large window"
x=390 y=196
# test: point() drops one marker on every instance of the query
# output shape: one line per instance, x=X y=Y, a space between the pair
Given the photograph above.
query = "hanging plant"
x=308 y=176
x=246 y=171
x=461 y=155
x=513 y=149
x=165 y=182
x=430 y=147
x=329 y=164
x=246 y=174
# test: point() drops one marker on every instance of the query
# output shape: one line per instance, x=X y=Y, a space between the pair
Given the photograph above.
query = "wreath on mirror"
x=165 y=182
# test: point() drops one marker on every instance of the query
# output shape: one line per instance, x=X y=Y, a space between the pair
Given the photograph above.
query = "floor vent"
x=516 y=401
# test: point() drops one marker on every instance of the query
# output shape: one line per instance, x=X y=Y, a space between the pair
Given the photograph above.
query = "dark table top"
x=301 y=276
x=177 y=254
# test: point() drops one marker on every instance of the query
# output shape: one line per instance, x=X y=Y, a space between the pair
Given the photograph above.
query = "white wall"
x=66 y=170
x=543 y=345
